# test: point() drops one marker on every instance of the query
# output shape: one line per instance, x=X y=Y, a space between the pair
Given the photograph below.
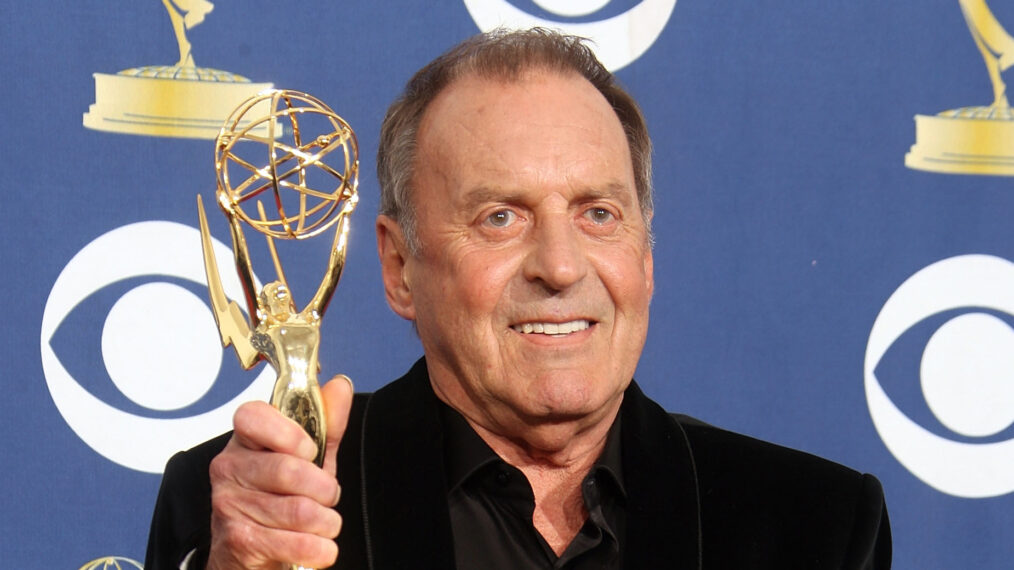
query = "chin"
x=566 y=401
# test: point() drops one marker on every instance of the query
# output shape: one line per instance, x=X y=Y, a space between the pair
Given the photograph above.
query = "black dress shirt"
x=491 y=505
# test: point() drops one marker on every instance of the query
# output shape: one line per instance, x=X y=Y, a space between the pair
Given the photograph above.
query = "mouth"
x=552 y=329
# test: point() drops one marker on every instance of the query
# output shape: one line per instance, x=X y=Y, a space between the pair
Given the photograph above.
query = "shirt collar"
x=465 y=453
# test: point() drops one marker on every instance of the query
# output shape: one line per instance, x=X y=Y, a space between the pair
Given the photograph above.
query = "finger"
x=258 y=425
x=271 y=472
x=292 y=513
x=252 y=546
x=337 y=396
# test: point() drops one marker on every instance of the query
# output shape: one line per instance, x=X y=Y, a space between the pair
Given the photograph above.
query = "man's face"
x=532 y=286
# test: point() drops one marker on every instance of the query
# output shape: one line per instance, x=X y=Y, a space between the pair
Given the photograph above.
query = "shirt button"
x=502 y=477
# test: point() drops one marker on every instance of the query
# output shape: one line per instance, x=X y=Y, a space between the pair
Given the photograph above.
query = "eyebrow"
x=614 y=190
x=485 y=194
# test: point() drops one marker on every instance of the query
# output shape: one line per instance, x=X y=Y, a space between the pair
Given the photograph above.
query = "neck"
x=555 y=464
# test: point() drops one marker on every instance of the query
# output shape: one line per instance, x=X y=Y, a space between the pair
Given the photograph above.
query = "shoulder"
x=716 y=449
x=767 y=496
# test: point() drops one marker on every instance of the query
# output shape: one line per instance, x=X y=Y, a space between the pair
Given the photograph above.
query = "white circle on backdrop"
x=617 y=41
x=571 y=8
x=967 y=374
x=144 y=249
x=962 y=469
x=157 y=348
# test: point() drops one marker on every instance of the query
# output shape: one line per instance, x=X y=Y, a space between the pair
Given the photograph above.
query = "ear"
x=649 y=270
x=649 y=259
x=394 y=255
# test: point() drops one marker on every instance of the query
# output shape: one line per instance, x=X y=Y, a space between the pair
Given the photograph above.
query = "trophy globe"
x=299 y=163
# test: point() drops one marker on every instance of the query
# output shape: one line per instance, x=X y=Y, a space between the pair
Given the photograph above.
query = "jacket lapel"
x=404 y=488
x=663 y=507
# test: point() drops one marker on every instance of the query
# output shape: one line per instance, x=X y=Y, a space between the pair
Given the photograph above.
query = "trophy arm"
x=232 y=326
x=993 y=41
x=335 y=264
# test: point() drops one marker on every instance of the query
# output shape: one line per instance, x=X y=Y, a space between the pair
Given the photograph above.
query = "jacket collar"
x=663 y=504
x=405 y=489
x=406 y=519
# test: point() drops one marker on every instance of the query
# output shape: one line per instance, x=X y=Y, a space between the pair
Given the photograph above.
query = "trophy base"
x=168 y=101
x=970 y=140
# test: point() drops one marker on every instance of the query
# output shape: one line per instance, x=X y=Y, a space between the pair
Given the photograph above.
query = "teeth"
x=552 y=328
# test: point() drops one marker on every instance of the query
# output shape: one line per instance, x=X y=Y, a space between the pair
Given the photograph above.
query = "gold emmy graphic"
x=112 y=563
x=287 y=168
x=180 y=100
x=972 y=140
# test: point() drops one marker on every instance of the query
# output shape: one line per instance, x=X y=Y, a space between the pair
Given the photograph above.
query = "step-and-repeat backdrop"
x=835 y=230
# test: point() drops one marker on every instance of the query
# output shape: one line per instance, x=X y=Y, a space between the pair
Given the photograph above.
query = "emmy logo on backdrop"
x=180 y=100
x=979 y=139
x=112 y=563
x=307 y=197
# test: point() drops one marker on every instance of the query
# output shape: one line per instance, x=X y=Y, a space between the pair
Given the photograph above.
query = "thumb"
x=337 y=396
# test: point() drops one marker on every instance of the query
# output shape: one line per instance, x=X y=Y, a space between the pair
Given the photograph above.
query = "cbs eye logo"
x=963 y=444
x=617 y=38
x=141 y=290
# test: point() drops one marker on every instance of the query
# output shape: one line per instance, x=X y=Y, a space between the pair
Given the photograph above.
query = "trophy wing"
x=232 y=325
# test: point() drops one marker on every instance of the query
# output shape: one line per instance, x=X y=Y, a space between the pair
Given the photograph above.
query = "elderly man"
x=515 y=234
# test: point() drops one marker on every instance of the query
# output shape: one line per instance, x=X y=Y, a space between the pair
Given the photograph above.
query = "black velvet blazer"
x=698 y=496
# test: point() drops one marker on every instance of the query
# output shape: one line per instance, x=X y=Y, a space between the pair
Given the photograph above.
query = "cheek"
x=628 y=278
x=482 y=280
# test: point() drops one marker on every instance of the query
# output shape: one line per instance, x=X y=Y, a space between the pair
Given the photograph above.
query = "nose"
x=556 y=257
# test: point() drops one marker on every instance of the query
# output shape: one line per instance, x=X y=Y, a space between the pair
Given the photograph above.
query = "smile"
x=552 y=328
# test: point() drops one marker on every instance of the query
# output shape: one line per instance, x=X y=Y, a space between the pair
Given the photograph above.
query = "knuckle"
x=219 y=502
x=238 y=539
x=223 y=502
x=242 y=419
x=221 y=467
x=300 y=513
x=288 y=472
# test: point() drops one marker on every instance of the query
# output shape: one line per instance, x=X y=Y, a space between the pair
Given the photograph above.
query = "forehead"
x=542 y=120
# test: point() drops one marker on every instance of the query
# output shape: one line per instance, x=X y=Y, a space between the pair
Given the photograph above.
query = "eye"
x=599 y=215
x=501 y=218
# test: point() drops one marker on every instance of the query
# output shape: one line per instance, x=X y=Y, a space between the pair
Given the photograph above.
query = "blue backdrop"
x=811 y=289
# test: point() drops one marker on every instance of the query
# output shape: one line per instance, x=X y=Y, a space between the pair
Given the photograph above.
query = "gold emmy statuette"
x=179 y=100
x=286 y=168
x=972 y=140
